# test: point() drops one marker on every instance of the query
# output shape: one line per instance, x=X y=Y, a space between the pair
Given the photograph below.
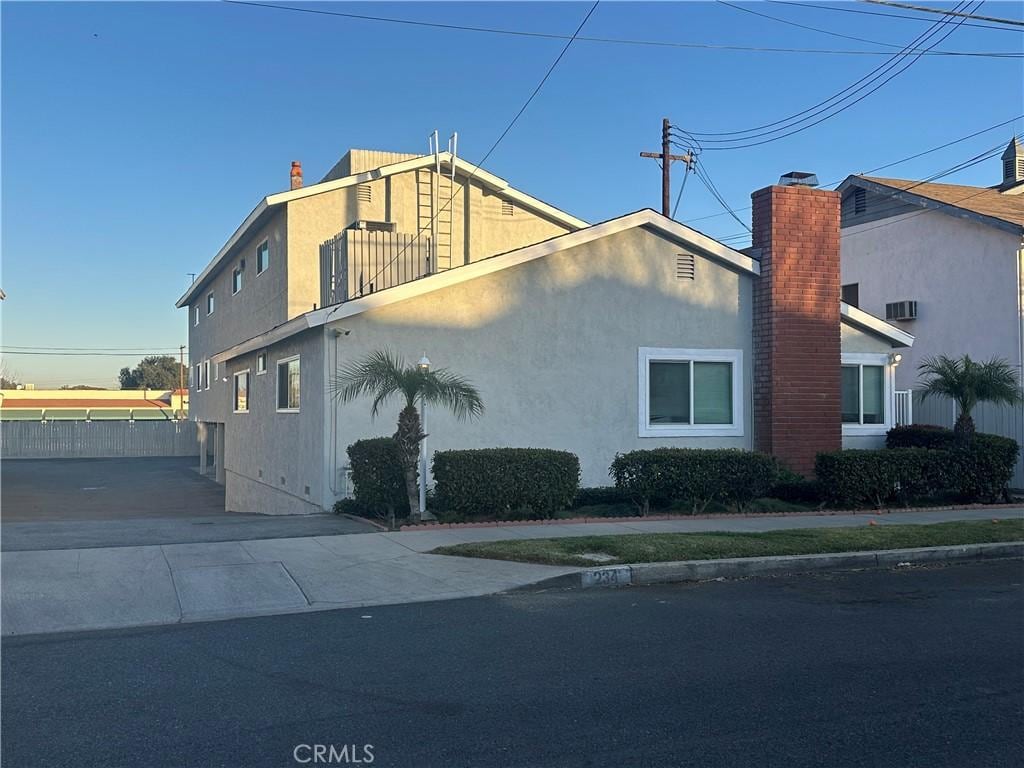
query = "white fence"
x=993 y=419
x=96 y=439
x=904 y=406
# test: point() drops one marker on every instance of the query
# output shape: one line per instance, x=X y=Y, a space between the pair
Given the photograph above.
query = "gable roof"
x=858 y=318
x=263 y=209
x=986 y=205
x=646 y=218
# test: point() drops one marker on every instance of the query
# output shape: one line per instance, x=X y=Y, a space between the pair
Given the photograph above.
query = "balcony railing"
x=358 y=262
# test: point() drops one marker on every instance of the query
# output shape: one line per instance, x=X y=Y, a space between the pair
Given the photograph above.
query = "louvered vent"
x=901 y=310
x=686 y=267
x=507 y=208
x=364 y=193
x=860 y=201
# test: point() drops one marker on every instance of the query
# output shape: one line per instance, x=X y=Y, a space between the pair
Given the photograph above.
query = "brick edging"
x=717 y=516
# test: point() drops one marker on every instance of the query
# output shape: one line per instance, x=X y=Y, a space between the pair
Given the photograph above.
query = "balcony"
x=369 y=257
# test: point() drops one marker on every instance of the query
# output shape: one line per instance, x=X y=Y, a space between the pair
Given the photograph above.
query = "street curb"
x=740 y=567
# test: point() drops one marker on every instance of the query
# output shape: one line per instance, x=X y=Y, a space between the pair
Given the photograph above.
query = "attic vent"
x=901 y=310
x=507 y=208
x=685 y=266
x=860 y=201
x=364 y=193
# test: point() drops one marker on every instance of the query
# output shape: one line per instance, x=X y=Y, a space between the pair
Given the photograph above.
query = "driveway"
x=85 y=503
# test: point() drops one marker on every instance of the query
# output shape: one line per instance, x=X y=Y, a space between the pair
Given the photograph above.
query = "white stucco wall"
x=963 y=275
x=552 y=346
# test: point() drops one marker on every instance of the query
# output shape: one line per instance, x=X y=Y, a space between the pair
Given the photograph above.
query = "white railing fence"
x=904 y=407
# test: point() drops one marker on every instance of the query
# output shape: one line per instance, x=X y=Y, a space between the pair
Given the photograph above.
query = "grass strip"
x=664 y=547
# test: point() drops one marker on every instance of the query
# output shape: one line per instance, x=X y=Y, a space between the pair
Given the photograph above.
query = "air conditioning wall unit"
x=901 y=310
x=374 y=226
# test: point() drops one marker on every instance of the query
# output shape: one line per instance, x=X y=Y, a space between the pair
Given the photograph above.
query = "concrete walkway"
x=107 y=587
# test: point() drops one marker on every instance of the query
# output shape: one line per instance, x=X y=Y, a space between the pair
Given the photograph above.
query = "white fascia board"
x=274 y=335
x=215 y=263
x=647 y=218
x=868 y=322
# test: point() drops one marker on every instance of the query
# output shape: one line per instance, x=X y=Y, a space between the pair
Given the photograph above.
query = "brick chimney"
x=796 y=323
x=296 y=174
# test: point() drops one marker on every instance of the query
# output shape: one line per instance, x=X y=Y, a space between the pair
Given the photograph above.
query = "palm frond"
x=378 y=374
x=968 y=382
x=998 y=382
x=454 y=392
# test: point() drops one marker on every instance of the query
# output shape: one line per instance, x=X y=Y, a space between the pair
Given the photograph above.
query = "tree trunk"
x=963 y=430
x=408 y=437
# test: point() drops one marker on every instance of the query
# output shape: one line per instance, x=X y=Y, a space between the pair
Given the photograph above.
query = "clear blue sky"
x=136 y=136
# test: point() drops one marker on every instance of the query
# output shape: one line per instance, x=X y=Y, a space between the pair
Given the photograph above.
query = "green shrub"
x=919 y=436
x=351 y=507
x=505 y=482
x=794 y=488
x=694 y=475
x=858 y=478
x=982 y=471
x=377 y=478
x=600 y=495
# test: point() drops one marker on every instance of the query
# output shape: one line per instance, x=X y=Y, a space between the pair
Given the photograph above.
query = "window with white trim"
x=288 y=384
x=261 y=363
x=199 y=376
x=690 y=392
x=241 y=392
x=236 y=280
x=195 y=315
x=262 y=257
x=865 y=392
x=209 y=303
x=206 y=374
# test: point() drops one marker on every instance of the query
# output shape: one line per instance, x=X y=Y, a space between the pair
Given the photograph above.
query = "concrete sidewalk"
x=99 y=588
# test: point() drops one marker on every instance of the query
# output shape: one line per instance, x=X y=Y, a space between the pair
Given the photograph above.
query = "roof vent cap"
x=798 y=179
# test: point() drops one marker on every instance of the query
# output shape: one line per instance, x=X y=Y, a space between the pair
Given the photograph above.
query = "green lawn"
x=661 y=547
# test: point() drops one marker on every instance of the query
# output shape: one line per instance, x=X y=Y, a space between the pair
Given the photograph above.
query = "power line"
x=91 y=349
x=679 y=197
x=825 y=107
x=925 y=9
x=702 y=174
x=85 y=354
x=606 y=40
x=494 y=146
x=894 y=162
x=884 y=15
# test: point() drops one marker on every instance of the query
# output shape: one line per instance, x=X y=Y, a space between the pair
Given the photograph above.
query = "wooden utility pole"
x=666 y=164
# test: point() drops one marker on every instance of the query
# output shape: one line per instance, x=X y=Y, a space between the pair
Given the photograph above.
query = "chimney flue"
x=296 y=174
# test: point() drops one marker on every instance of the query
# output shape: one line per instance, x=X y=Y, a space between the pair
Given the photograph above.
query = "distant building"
x=944 y=262
x=92 y=405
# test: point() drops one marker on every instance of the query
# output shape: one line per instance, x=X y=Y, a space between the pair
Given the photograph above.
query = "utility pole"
x=666 y=164
x=181 y=381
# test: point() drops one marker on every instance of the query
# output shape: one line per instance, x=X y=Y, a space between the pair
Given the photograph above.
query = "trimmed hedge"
x=377 y=478
x=600 y=495
x=919 y=436
x=980 y=472
x=696 y=476
x=505 y=482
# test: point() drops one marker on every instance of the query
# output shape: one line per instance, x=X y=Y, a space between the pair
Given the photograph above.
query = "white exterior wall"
x=552 y=345
x=963 y=275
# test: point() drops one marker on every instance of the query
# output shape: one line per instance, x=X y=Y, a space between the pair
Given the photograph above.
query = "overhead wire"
x=883 y=14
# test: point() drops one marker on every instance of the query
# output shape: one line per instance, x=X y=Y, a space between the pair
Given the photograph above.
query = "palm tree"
x=383 y=375
x=968 y=383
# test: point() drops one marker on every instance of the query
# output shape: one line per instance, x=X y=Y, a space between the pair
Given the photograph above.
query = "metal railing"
x=358 y=262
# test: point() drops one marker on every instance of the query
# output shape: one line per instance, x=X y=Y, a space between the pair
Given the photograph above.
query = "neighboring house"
x=942 y=261
x=92 y=404
x=637 y=332
x=377 y=219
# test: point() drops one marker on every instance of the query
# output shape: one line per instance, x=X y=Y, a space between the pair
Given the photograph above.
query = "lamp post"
x=424 y=366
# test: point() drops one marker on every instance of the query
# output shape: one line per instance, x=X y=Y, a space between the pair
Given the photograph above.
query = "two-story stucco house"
x=942 y=261
x=636 y=332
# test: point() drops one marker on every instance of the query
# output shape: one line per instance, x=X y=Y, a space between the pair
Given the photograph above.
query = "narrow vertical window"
x=241 y=394
x=209 y=303
x=262 y=257
x=288 y=384
x=236 y=280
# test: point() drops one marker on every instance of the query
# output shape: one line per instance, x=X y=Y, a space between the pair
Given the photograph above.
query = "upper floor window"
x=866 y=388
x=261 y=363
x=209 y=303
x=851 y=294
x=236 y=280
x=262 y=257
x=198 y=378
x=241 y=394
x=288 y=384
x=691 y=392
x=195 y=315
x=206 y=374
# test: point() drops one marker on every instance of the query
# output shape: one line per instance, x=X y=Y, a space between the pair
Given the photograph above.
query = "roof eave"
x=867 y=322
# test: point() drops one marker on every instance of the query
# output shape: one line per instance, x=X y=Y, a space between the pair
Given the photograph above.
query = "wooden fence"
x=96 y=439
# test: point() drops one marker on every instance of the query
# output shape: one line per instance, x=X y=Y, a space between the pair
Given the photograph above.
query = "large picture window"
x=865 y=393
x=242 y=392
x=288 y=384
x=690 y=392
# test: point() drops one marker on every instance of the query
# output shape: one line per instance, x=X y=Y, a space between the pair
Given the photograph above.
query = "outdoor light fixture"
x=424 y=363
x=895 y=358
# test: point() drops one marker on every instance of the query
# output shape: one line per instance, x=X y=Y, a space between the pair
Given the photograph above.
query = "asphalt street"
x=914 y=667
